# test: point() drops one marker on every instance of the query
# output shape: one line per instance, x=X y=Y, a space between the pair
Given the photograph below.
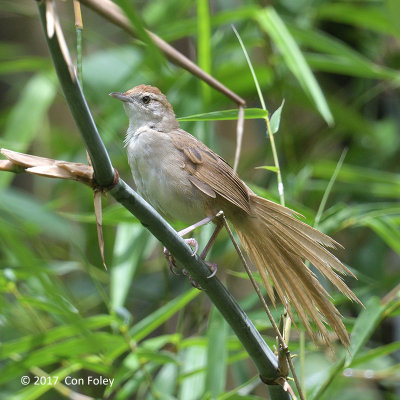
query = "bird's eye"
x=146 y=99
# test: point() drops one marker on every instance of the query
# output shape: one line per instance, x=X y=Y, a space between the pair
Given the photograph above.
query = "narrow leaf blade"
x=227 y=115
x=276 y=118
x=271 y=23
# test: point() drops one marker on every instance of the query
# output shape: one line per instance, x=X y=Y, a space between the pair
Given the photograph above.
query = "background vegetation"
x=62 y=314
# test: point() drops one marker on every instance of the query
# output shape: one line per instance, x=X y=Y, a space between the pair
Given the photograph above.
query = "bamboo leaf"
x=369 y=16
x=30 y=342
x=192 y=373
x=364 y=326
x=269 y=168
x=141 y=31
x=373 y=354
x=204 y=43
x=130 y=243
x=276 y=118
x=271 y=23
x=216 y=354
x=26 y=118
x=154 y=320
x=227 y=115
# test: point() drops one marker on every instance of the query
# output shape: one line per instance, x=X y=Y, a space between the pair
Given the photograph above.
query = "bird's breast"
x=157 y=169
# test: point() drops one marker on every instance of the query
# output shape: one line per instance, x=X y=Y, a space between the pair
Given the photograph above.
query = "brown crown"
x=149 y=89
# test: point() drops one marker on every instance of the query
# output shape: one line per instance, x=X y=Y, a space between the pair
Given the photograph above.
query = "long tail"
x=277 y=243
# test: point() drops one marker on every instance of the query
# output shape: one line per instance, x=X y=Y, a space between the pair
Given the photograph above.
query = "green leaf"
x=322 y=386
x=345 y=66
x=187 y=27
x=375 y=353
x=364 y=326
x=131 y=242
x=157 y=356
x=328 y=189
x=97 y=342
x=34 y=217
x=269 y=168
x=157 y=318
x=165 y=383
x=339 y=57
x=49 y=305
x=271 y=23
x=253 y=72
x=113 y=214
x=216 y=354
x=27 y=64
x=393 y=13
x=26 y=117
x=204 y=43
x=192 y=373
x=246 y=386
x=135 y=19
x=31 y=342
x=386 y=228
x=360 y=179
x=276 y=118
x=227 y=115
x=372 y=16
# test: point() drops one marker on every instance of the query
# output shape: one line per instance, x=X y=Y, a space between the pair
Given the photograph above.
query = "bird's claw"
x=193 y=243
x=213 y=268
x=171 y=259
x=191 y=280
x=173 y=268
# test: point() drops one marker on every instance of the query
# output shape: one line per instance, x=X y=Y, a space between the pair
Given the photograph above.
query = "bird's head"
x=146 y=106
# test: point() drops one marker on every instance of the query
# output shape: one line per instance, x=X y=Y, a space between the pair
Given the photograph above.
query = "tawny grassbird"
x=184 y=180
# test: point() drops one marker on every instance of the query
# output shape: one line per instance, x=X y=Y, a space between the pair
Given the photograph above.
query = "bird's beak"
x=120 y=96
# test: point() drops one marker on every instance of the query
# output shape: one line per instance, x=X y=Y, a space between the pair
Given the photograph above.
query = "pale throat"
x=139 y=121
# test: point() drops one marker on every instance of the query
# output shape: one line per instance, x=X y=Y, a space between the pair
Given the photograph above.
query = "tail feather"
x=277 y=243
x=321 y=258
x=286 y=215
x=290 y=288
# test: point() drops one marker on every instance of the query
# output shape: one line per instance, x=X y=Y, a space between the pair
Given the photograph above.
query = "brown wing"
x=211 y=172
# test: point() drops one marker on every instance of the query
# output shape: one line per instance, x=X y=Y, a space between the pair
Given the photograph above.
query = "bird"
x=185 y=180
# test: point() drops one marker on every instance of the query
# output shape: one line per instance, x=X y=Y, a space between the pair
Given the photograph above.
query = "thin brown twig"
x=285 y=348
x=239 y=136
x=113 y=13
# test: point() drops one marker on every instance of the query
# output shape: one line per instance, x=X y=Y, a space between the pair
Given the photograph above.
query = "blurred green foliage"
x=62 y=315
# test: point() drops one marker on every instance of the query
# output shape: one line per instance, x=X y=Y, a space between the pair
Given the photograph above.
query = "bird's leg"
x=191 y=242
x=213 y=267
x=191 y=228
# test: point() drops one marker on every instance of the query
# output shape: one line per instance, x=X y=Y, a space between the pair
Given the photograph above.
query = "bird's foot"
x=171 y=259
x=191 y=280
x=213 y=268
